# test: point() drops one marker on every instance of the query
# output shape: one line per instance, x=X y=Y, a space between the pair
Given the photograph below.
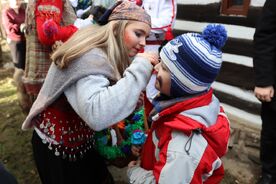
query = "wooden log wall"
x=235 y=83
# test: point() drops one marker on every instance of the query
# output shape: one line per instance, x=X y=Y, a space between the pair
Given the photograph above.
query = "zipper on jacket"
x=188 y=144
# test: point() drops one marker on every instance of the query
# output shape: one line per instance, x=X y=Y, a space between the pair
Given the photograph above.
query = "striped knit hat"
x=194 y=60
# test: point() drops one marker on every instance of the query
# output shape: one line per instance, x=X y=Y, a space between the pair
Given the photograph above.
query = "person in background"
x=13 y=18
x=190 y=131
x=94 y=82
x=5 y=176
x=46 y=23
x=163 y=15
x=265 y=76
x=81 y=7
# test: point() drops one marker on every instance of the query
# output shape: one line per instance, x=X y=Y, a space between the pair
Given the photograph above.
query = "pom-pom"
x=50 y=28
x=139 y=2
x=138 y=137
x=169 y=35
x=215 y=34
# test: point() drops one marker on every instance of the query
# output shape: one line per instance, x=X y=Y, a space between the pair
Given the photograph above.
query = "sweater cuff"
x=147 y=66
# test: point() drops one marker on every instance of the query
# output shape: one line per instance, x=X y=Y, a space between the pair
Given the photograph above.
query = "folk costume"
x=114 y=143
x=67 y=134
x=76 y=101
x=39 y=41
x=190 y=130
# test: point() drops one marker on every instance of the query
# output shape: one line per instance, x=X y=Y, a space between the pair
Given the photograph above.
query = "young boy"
x=190 y=130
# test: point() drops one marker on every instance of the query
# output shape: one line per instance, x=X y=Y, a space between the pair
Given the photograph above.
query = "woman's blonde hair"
x=108 y=37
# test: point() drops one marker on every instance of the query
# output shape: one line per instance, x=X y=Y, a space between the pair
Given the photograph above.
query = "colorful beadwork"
x=133 y=134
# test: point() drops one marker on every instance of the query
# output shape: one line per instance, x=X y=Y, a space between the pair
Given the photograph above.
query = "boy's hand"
x=152 y=57
x=135 y=150
x=140 y=102
x=134 y=163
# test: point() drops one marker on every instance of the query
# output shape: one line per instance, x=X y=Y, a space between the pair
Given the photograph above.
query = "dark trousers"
x=18 y=53
x=54 y=170
x=268 y=138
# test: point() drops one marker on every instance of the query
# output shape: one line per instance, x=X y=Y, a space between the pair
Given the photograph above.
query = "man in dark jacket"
x=265 y=70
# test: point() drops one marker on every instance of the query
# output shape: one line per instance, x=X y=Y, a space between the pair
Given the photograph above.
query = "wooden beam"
x=232 y=46
x=236 y=75
x=250 y=107
x=211 y=13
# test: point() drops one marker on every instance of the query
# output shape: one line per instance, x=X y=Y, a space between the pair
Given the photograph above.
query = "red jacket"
x=185 y=144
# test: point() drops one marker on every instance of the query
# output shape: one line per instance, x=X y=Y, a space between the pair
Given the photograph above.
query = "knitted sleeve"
x=48 y=18
x=101 y=104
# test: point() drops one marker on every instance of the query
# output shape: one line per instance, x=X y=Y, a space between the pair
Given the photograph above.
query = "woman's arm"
x=101 y=104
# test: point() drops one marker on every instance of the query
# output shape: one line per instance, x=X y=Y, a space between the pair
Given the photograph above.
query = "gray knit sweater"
x=87 y=84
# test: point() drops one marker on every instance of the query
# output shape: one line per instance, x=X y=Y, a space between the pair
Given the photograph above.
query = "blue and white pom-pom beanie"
x=194 y=60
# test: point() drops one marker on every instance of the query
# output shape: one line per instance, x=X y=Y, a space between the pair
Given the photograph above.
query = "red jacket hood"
x=202 y=113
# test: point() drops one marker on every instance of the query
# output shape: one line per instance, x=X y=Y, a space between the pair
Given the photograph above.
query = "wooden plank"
x=211 y=13
x=232 y=46
x=253 y=108
x=236 y=75
x=239 y=47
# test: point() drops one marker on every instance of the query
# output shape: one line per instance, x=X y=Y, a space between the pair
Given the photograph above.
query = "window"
x=234 y=7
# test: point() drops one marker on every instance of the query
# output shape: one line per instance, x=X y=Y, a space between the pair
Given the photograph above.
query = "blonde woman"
x=94 y=82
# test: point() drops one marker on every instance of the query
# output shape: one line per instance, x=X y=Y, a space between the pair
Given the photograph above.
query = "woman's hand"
x=152 y=57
